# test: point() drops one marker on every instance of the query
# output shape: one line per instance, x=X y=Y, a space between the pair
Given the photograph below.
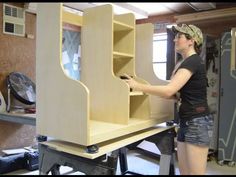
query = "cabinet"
x=99 y=106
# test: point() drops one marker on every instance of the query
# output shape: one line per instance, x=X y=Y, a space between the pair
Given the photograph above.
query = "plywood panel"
x=72 y=18
x=144 y=69
x=62 y=103
x=109 y=95
x=102 y=131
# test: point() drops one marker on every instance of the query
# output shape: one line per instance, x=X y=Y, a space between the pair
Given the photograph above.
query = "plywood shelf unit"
x=99 y=106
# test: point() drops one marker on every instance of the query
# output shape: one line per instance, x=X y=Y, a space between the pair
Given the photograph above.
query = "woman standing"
x=189 y=80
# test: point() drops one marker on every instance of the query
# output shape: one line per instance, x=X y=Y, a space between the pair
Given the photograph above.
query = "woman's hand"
x=131 y=82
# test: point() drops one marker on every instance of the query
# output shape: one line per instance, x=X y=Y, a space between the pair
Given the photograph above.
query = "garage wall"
x=17 y=54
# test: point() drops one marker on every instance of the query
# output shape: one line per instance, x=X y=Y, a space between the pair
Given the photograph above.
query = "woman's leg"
x=196 y=158
x=182 y=158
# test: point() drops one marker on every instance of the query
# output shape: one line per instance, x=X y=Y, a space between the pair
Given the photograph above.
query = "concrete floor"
x=143 y=163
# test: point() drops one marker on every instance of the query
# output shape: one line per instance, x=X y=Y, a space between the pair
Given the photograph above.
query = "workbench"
x=21 y=118
x=56 y=153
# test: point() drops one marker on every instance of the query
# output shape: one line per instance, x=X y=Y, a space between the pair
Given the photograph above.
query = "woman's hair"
x=197 y=48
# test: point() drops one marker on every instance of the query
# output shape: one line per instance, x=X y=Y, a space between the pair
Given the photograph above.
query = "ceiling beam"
x=202 y=6
x=208 y=15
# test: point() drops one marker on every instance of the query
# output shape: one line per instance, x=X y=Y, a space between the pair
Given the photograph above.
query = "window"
x=13 y=20
x=159 y=55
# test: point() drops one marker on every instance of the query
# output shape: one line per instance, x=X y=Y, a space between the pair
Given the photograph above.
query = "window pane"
x=160 y=70
x=159 y=51
x=159 y=55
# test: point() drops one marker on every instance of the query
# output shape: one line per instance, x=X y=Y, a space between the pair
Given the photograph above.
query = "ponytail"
x=198 y=48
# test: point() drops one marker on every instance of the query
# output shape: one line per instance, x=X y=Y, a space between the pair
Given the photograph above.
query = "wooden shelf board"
x=135 y=93
x=118 y=26
x=102 y=131
x=121 y=54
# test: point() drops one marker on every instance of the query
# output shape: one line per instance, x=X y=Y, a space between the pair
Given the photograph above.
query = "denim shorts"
x=197 y=130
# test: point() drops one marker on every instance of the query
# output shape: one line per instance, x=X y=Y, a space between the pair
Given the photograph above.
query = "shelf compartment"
x=119 y=26
x=123 y=65
x=139 y=106
x=122 y=41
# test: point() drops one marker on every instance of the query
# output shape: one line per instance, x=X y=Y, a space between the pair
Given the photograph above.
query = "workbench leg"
x=47 y=162
x=165 y=143
x=164 y=167
x=123 y=162
x=51 y=160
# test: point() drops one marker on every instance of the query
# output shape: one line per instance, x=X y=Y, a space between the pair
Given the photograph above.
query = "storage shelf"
x=86 y=122
x=122 y=55
x=118 y=26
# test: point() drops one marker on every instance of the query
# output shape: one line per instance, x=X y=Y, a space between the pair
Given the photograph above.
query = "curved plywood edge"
x=109 y=96
x=127 y=18
x=62 y=103
x=141 y=80
x=144 y=69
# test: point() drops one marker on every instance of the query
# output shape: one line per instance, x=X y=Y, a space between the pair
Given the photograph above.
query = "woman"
x=189 y=80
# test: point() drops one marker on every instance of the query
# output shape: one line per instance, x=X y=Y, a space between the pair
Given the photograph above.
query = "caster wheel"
x=170 y=123
x=221 y=162
x=92 y=149
x=231 y=164
x=41 y=138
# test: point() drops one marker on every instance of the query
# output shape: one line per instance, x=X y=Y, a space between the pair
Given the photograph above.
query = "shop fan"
x=22 y=88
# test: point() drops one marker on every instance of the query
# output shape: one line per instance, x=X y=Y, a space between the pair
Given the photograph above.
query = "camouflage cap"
x=191 y=30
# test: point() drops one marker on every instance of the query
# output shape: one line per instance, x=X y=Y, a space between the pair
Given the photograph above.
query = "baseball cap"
x=191 y=30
